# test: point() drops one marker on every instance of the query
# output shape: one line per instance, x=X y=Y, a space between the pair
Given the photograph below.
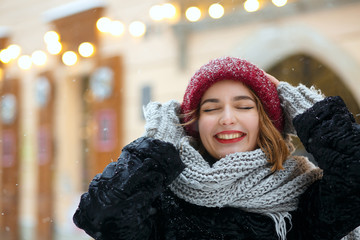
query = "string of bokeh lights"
x=116 y=28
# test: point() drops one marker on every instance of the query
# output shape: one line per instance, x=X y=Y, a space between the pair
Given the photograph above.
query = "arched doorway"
x=305 y=69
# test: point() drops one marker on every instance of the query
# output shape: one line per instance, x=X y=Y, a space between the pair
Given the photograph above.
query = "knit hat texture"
x=231 y=68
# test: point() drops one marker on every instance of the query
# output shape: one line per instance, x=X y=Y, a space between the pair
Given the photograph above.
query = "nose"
x=227 y=117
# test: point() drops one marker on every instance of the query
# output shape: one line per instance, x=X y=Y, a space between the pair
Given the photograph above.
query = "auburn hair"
x=270 y=140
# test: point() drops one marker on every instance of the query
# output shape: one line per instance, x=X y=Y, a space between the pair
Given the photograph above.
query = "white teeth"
x=229 y=136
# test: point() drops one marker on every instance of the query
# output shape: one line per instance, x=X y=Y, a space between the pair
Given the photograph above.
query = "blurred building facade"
x=66 y=110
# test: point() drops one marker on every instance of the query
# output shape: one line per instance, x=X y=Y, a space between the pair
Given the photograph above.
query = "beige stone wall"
x=332 y=36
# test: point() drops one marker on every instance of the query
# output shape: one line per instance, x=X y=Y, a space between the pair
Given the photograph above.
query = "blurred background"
x=74 y=76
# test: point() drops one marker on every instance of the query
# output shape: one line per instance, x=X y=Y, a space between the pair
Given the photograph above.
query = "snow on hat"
x=230 y=68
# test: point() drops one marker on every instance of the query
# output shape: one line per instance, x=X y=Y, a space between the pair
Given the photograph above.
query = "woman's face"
x=228 y=119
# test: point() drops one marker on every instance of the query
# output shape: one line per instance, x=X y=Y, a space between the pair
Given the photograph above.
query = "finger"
x=272 y=79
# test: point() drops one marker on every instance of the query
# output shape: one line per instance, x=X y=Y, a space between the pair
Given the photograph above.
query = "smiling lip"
x=229 y=136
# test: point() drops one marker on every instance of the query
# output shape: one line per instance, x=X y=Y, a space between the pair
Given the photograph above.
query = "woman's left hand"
x=272 y=79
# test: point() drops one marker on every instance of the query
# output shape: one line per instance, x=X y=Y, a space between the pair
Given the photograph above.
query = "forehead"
x=227 y=88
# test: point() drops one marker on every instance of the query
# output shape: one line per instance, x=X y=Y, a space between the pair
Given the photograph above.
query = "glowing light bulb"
x=156 y=13
x=137 y=29
x=5 y=56
x=51 y=36
x=103 y=24
x=14 y=51
x=279 y=3
x=251 y=5
x=216 y=11
x=117 y=28
x=69 y=58
x=39 y=58
x=169 y=10
x=86 y=49
x=193 y=14
x=24 y=62
x=54 y=48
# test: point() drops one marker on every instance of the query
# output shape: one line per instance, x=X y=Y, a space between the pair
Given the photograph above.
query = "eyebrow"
x=236 y=98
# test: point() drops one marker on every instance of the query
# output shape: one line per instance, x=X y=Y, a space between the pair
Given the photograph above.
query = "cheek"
x=251 y=122
x=254 y=126
x=205 y=124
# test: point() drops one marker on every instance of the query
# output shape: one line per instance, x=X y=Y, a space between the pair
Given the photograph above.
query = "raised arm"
x=118 y=204
x=331 y=207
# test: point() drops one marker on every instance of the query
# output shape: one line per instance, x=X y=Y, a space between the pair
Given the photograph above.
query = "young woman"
x=218 y=166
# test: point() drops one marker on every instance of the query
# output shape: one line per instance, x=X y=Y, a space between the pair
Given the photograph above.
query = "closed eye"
x=210 y=110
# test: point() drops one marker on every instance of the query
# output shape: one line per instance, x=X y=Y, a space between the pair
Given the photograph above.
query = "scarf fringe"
x=280 y=223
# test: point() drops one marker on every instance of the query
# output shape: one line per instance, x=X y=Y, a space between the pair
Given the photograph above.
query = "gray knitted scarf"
x=243 y=180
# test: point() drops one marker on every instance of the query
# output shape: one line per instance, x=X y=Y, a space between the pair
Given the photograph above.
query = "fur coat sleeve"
x=118 y=204
x=330 y=208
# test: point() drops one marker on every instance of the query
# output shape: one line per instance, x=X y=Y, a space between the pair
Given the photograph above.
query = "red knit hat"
x=230 y=68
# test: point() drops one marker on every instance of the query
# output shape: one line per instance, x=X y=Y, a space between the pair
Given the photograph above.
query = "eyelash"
x=209 y=110
x=241 y=108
